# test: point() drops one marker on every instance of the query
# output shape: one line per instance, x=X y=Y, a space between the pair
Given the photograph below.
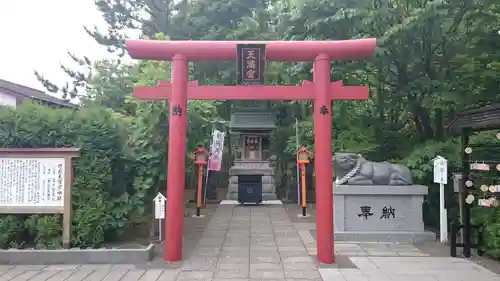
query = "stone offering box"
x=382 y=213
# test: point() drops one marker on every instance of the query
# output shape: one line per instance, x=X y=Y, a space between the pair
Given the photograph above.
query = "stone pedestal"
x=252 y=168
x=380 y=213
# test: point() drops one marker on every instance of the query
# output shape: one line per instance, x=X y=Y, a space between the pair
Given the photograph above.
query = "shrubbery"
x=420 y=162
x=104 y=176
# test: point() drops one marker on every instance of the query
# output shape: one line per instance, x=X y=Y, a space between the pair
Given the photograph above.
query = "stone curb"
x=77 y=256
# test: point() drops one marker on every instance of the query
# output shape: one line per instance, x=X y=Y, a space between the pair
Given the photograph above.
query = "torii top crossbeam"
x=275 y=50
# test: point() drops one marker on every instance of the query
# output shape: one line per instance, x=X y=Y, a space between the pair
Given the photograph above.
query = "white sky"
x=36 y=34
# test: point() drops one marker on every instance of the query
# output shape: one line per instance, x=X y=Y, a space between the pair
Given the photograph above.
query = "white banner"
x=216 y=150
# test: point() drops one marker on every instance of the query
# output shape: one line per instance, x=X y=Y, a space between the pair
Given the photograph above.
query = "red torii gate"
x=321 y=90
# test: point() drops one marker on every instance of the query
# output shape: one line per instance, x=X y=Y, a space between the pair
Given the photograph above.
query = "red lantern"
x=200 y=155
x=303 y=155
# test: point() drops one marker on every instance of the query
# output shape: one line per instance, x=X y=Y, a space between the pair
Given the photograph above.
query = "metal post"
x=457 y=188
x=304 y=195
x=198 y=191
x=443 y=216
x=464 y=189
x=298 y=144
x=208 y=166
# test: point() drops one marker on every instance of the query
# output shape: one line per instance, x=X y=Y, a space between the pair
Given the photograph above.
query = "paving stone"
x=231 y=274
x=292 y=249
x=266 y=259
x=289 y=242
x=195 y=275
x=299 y=266
x=240 y=260
x=80 y=274
x=210 y=241
x=231 y=279
x=267 y=274
x=97 y=275
x=352 y=254
x=294 y=254
x=95 y=267
x=61 y=267
x=269 y=253
x=265 y=266
x=115 y=275
x=412 y=254
x=168 y=275
x=122 y=267
x=5 y=268
x=30 y=267
x=206 y=251
x=377 y=276
x=151 y=275
x=270 y=244
x=11 y=274
x=382 y=254
x=198 y=266
x=20 y=275
x=298 y=259
x=235 y=255
x=40 y=276
x=231 y=266
x=354 y=275
x=63 y=275
x=198 y=259
x=363 y=263
x=235 y=248
x=133 y=275
x=311 y=279
x=302 y=274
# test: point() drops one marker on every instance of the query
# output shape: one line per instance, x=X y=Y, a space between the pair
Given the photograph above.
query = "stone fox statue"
x=353 y=169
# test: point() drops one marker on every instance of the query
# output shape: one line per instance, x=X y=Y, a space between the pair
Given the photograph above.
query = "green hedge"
x=103 y=176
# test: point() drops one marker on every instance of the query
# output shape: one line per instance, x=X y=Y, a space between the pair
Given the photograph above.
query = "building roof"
x=479 y=119
x=30 y=93
x=252 y=121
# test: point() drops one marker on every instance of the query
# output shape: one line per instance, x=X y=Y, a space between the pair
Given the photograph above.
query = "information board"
x=38 y=181
x=32 y=182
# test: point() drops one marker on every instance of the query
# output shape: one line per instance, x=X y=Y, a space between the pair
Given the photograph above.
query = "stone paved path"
x=262 y=243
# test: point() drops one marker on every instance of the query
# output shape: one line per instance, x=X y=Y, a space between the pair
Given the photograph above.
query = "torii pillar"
x=321 y=90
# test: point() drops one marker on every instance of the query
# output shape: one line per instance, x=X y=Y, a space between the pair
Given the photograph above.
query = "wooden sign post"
x=441 y=177
x=38 y=181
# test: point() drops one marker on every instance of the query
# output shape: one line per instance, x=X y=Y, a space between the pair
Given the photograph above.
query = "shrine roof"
x=252 y=121
x=479 y=119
